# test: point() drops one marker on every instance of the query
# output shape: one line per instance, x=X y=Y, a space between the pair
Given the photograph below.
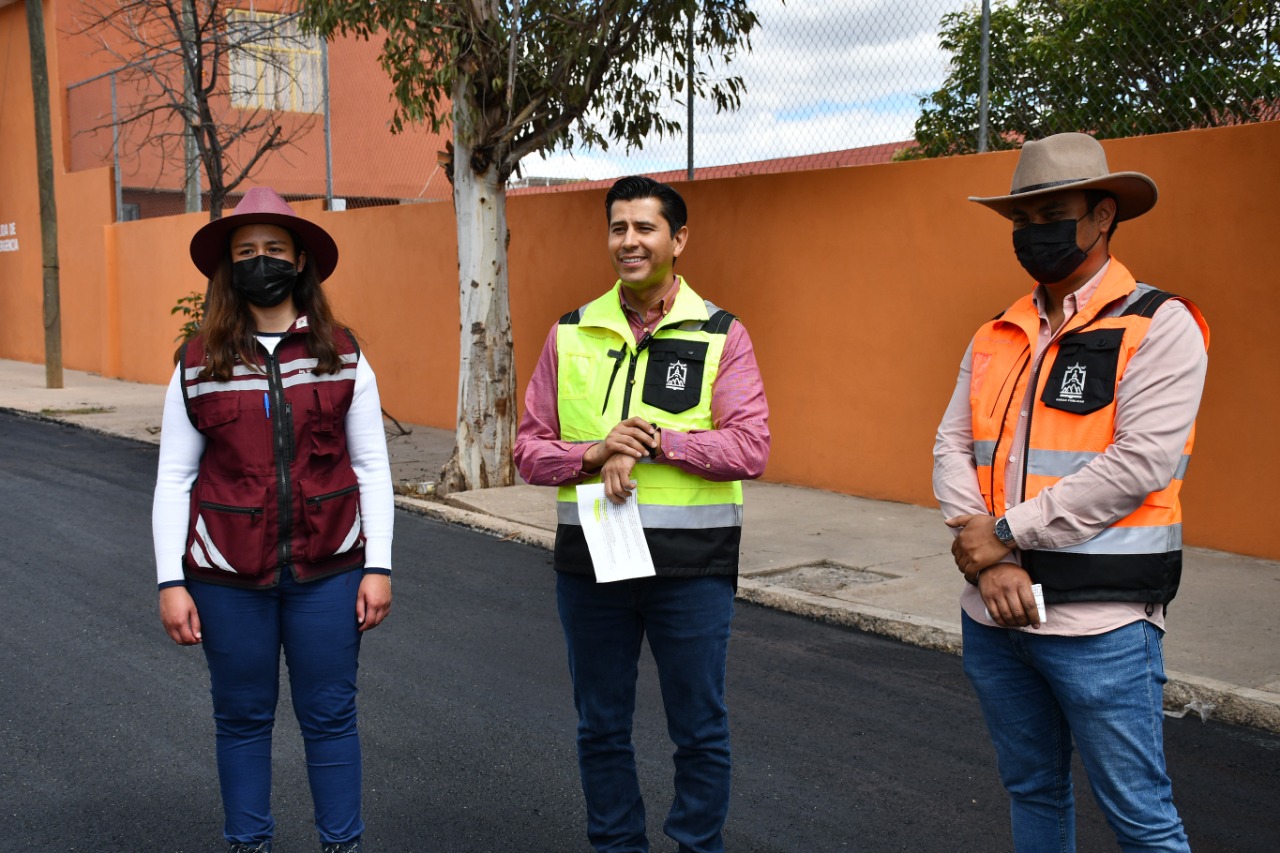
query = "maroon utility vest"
x=275 y=485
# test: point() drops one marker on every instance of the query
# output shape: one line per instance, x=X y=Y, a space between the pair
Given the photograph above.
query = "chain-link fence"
x=828 y=83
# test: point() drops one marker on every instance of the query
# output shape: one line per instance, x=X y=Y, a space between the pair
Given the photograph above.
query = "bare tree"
x=238 y=83
x=514 y=78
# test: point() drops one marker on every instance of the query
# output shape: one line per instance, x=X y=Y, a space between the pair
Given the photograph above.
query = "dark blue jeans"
x=1041 y=692
x=244 y=631
x=687 y=623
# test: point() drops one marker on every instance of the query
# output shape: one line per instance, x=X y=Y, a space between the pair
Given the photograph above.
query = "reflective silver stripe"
x=1131 y=540
x=1064 y=463
x=233 y=385
x=1180 y=473
x=260 y=382
x=346 y=375
x=984 y=452
x=191 y=373
x=206 y=542
x=299 y=364
x=670 y=517
x=1058 y=463
x=198 y=556
x=237 y=370
x=1140 y=291
x=353 y=535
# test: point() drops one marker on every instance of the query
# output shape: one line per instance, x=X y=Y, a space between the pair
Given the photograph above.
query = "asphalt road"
x=843 y=740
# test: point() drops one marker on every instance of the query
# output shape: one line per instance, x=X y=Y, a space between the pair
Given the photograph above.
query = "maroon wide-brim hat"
x=263 y=205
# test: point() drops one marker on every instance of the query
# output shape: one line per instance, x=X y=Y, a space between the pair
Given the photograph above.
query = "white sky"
x=823 y=75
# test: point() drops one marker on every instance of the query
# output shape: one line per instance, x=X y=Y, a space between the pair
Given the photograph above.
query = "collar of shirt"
x=648 y=324
x=1073 y=301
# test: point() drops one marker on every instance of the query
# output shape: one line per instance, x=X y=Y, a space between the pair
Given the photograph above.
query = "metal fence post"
x=688 y=89
x=115 y=150
x=984 y=98
x=328 y=128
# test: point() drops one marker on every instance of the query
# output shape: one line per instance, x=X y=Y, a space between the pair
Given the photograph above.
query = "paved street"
x=843 y=740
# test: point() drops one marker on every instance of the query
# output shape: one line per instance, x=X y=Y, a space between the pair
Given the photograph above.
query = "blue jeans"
x=1039 y=692
x=687 y=623
x=244 y=630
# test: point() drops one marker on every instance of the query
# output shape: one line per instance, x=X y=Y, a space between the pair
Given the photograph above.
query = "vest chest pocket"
x=673 y=379
x=237 y=432
x=1083 y=376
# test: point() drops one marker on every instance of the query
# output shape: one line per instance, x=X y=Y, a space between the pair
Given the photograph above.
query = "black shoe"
x=352 y=846
x=250 y=847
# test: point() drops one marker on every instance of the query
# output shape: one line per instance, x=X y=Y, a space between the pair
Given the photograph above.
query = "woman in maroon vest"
x=273 y=512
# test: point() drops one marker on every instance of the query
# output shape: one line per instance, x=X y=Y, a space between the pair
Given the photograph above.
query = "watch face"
x=1003 y=533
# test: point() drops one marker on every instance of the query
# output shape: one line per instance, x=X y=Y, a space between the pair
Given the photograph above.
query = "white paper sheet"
x=614 y=535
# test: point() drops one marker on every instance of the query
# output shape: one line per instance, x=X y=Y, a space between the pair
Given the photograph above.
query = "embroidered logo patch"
x=677 y=376
x=1072 y=390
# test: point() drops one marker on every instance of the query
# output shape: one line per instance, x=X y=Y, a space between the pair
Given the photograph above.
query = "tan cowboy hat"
x=262 y=204
x=1072 y=161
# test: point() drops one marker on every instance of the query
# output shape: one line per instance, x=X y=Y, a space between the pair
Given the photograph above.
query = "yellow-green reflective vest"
x=693 y=526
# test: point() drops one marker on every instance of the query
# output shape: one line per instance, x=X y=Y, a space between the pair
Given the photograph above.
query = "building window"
x=274 y=65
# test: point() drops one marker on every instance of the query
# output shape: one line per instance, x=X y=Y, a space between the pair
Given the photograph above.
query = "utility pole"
x=48 y=204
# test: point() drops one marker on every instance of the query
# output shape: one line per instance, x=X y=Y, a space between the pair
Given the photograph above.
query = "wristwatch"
x=1004 y=534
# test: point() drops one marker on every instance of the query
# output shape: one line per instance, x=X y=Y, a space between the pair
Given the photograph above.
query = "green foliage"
x=1108 y=67
x=539 y=75
x=191 y=307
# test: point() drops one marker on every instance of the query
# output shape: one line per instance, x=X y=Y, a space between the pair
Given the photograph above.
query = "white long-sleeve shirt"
x=182 y=445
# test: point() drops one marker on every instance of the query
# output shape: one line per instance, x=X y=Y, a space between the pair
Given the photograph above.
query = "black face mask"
x=1048 y=251
x=265 y=281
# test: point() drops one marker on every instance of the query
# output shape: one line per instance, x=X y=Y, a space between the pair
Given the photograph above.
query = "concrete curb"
x=915 y=630
x=1241 y=706
x=87 y=426
x=502 y=528
x=1183 y=694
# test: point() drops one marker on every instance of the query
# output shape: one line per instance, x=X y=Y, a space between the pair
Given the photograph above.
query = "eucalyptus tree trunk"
x=486 y=372
x=48 y=201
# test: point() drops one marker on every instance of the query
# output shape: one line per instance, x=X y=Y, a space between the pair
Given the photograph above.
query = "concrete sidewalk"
x=879 y=566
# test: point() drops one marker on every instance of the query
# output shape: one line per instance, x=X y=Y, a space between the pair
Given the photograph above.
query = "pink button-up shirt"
x=1156 y=404
x=735 y=449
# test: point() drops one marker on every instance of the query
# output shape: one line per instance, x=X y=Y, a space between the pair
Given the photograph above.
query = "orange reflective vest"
x=1072 y=421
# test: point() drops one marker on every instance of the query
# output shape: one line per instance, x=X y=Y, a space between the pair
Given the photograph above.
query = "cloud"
x=823 y=75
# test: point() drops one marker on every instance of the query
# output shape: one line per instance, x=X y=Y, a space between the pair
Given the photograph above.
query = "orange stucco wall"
x=860 y=287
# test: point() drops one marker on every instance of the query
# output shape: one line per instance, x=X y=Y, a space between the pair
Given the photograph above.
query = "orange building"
x=273 y=78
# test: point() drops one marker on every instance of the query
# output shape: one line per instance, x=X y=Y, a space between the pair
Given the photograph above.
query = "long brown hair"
x=228 y=330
